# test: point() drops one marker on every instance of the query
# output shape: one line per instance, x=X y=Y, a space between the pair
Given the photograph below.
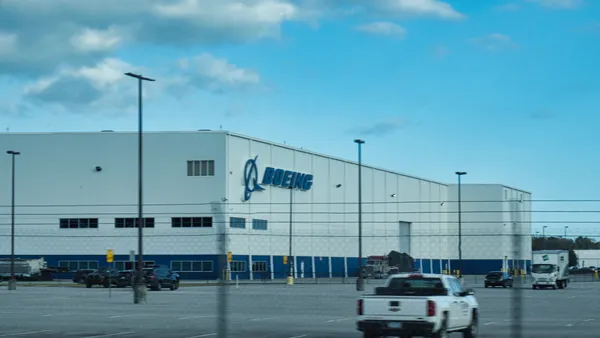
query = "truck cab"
x=550 y=269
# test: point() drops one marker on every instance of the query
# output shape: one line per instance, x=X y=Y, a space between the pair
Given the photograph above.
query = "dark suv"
x=157 y=278
x=498 y=278
x=101 y=277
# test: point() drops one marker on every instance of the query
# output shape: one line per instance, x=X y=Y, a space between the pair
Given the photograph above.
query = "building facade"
x=213 y=194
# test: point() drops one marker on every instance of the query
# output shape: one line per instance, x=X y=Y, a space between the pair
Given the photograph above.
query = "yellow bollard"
x=290 y=280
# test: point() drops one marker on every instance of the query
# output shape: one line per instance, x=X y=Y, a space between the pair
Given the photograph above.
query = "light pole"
x=566 y=227
x=359 y=282
x=290 y=279
x=12 y=284
x=544 y=236
x=459 y=174
x=139 y=288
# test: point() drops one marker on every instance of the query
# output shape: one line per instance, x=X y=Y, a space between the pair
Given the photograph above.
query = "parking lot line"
x=301 y=336
x=266 y=318
x=111 y=334
x=203 y=335
x=23 y=333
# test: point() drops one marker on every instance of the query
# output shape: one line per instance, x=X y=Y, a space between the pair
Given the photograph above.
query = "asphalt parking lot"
x=279 y=311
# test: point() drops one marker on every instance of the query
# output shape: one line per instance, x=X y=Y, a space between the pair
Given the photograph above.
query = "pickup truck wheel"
x=443 y=331
x=88 y=285
x=473 y=329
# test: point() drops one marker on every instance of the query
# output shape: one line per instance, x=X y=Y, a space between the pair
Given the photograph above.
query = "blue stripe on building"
x=340 y=266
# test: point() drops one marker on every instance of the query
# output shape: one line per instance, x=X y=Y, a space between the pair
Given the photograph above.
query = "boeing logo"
x=273 y=176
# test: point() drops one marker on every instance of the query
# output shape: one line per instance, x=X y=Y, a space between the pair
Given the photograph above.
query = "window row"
x=179 y=266
x=201 y=168
x=241 y=266
x=78 y=265
x=132 y=222
x=192 y=266
x=240 y=223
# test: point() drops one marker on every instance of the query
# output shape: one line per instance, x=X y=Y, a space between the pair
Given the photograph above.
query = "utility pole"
x=140 y=289
x=360 y=285
x=12 y=283
x=460 y=268
x=290 y=279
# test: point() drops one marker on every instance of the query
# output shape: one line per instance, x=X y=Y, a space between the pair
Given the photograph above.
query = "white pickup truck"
x=413 y=304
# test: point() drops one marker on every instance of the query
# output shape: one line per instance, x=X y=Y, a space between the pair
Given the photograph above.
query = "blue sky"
x=505 y=90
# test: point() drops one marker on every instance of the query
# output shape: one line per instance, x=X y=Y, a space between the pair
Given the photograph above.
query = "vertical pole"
x=360 y=282
x=139 y=289
x=290 y=279
x=13 y=283
x=459 y=231
x=517 y=294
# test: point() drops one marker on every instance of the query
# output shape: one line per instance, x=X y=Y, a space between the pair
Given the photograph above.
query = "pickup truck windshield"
x=542 y=268
x=421 y=286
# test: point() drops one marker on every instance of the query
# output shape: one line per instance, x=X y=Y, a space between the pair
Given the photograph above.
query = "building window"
x=238 y=266
x=201 y=168
x=259 y=266
x=191 y=222
x=131 y=222
x=259 y=224
x=78 y=265
x=237 y=222
x=192 y=266
x=79 y=223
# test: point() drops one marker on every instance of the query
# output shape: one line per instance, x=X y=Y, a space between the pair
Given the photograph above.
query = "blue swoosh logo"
x=251 y=178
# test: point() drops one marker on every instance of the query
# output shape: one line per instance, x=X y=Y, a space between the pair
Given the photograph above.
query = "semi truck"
x=379 y=267
x=25 y=269
x=550 y=269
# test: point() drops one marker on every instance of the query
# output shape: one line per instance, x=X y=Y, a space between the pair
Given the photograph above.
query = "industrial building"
x=208 y=193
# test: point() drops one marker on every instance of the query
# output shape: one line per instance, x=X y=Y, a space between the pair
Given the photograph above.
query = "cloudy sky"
x=506 y=90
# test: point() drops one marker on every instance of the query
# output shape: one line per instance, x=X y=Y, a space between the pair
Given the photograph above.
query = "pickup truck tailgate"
x=396 y=308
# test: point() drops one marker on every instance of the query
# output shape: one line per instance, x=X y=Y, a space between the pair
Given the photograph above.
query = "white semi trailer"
x=25 y=269
x=550 y=269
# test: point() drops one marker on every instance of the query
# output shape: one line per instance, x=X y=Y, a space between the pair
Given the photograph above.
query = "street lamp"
x=566 y=227
x=139 y=288
x=544 y=236
x=459 y=174
x=359 y=282
x=290 y=279
x=12 y=284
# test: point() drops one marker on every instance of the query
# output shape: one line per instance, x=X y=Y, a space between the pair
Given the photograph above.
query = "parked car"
x=125 y=278
x=80 y=275
x=498 y=278
x=102 y=276
x=161 y=277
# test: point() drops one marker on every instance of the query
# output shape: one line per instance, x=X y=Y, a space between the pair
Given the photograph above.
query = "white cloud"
x=383 y=28
x=388 y=8
x=102 y=87
x=495 y=42
x=78 y=33
x=95 y=40
x=559 y=4
x=8 y=44
x=209 y=72
x=508 y=7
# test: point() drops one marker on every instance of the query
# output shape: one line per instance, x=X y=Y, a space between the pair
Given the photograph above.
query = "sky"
x=507 y=91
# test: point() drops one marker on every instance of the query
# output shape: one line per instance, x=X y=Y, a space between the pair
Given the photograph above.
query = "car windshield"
x=494 y=274
x=542 y=268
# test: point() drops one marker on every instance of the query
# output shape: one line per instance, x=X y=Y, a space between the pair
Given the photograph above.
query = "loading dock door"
x=404 y=238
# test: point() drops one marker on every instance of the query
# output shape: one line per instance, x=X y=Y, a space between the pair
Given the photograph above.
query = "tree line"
x=561 y=243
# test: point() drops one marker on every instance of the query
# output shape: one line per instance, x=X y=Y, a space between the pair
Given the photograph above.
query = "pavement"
x=271 y=310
